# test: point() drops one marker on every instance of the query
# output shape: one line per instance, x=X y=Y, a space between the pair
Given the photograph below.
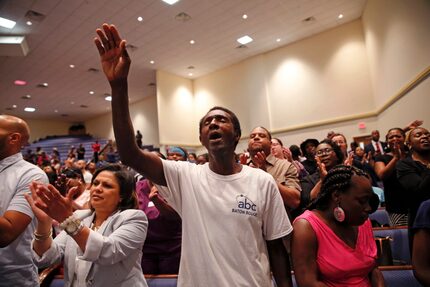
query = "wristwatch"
x=72 y=225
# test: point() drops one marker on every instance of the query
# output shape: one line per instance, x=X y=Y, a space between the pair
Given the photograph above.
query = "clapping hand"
x=259 y=160
x=243 y=158
x=113 y=54
x=46 y=200
x=321 y=168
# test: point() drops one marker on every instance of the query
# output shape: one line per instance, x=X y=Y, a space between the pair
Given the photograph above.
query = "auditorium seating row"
x=63 y=144
x=395 y=276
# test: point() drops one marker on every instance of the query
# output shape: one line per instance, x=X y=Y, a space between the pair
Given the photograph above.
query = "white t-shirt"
x=226 y=221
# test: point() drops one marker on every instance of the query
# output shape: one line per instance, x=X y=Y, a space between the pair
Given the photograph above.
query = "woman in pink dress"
x=333 y=243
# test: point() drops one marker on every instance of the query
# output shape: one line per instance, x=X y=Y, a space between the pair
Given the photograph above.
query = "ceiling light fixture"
x=20 y=83
x=6 y=23
x=278 y=40
x=190 y=74
x=245 y=40
x=26 y=97
x=151 y=62
x=244 y=16
x=55 y=111
x=45 y=84
x=108 y=98
x=170 y=2
x=29 y=109
x=91 y=92
x=192 y=42
x=340 y=16
x=29 y=23
x=14 y=106
x=140 y=18
x=71 y=66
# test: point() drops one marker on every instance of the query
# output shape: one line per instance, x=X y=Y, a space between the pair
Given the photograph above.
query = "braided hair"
x=337 y=179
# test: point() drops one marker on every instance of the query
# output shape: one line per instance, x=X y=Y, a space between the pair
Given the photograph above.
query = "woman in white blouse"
x=100 y=246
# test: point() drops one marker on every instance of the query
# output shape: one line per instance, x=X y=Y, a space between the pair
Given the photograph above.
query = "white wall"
x=397 y=37
x=42 y=128
x=143 y=115
x=322 y=77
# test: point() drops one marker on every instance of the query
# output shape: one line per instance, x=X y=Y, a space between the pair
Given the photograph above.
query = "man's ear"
x=15 y=138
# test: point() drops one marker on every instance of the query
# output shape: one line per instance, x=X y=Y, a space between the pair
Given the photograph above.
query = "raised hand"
x=51 y=202
x=32 y=198
x=113 y=54
x=153 y=194
x=414 y=124
x=397 y=151
x=243 y=158
x=321 y=168
x=259 y=160
x=349 y=160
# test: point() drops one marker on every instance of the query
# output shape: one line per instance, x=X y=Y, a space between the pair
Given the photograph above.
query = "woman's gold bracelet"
x=42 y=237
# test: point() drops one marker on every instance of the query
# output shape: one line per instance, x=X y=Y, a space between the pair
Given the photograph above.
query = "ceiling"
x=64 y=37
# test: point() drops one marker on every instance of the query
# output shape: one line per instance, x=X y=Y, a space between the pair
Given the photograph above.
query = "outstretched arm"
x=116 y=65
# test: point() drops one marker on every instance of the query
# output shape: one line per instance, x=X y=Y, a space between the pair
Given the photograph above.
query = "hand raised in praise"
x=49 y=200
x=113 y=54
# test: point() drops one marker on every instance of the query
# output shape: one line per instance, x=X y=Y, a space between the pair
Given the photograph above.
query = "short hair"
x=234 y=120
x=337 y=179
x=295 y=151
x=73 y=172
x=267 y=131
x=126 y=185
x=335 y=148
x=278 y=140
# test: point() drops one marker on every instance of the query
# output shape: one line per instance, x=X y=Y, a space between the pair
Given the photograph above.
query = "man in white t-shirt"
x=233 y=219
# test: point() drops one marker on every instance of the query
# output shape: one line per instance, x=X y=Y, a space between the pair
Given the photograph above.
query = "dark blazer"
x=370 y=148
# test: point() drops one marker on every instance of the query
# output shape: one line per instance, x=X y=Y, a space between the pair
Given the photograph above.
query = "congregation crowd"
x=217 y=219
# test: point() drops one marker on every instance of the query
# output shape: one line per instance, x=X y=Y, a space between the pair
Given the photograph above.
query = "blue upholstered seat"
x=380 y=216
x=400 y=278
x=399 y=243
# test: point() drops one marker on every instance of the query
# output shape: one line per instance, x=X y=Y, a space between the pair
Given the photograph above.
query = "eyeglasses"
x=325 y=151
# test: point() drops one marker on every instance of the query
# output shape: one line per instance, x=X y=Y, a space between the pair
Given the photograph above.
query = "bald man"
x=16 y=218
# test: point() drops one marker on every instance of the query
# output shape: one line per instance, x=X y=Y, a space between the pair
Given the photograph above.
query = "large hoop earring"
x=339 y=214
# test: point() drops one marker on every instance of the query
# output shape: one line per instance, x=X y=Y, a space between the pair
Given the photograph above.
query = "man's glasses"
x=324 y=151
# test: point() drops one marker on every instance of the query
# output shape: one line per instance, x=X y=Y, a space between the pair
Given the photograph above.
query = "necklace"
x=94 y=227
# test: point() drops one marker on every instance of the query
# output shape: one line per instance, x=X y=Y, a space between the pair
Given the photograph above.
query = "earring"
x=339 y=214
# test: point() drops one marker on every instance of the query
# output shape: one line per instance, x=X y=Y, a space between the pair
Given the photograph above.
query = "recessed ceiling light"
x=29 y=23
x=190 y=74
x=6 y=23
x=245 y=40
x=20 y=83
x=108 y=98
x=170 y=2
x=14 y=106
x=192 y=42
x=72 y=102
x=29 y=109
x=151 y=62
x=278 y=40
x=26 y=97
x=244 y=16
x=45 y=84
x=340 y=16
x=140 y=18
x=71 y=66
x=91 y=92
x=55 y=111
